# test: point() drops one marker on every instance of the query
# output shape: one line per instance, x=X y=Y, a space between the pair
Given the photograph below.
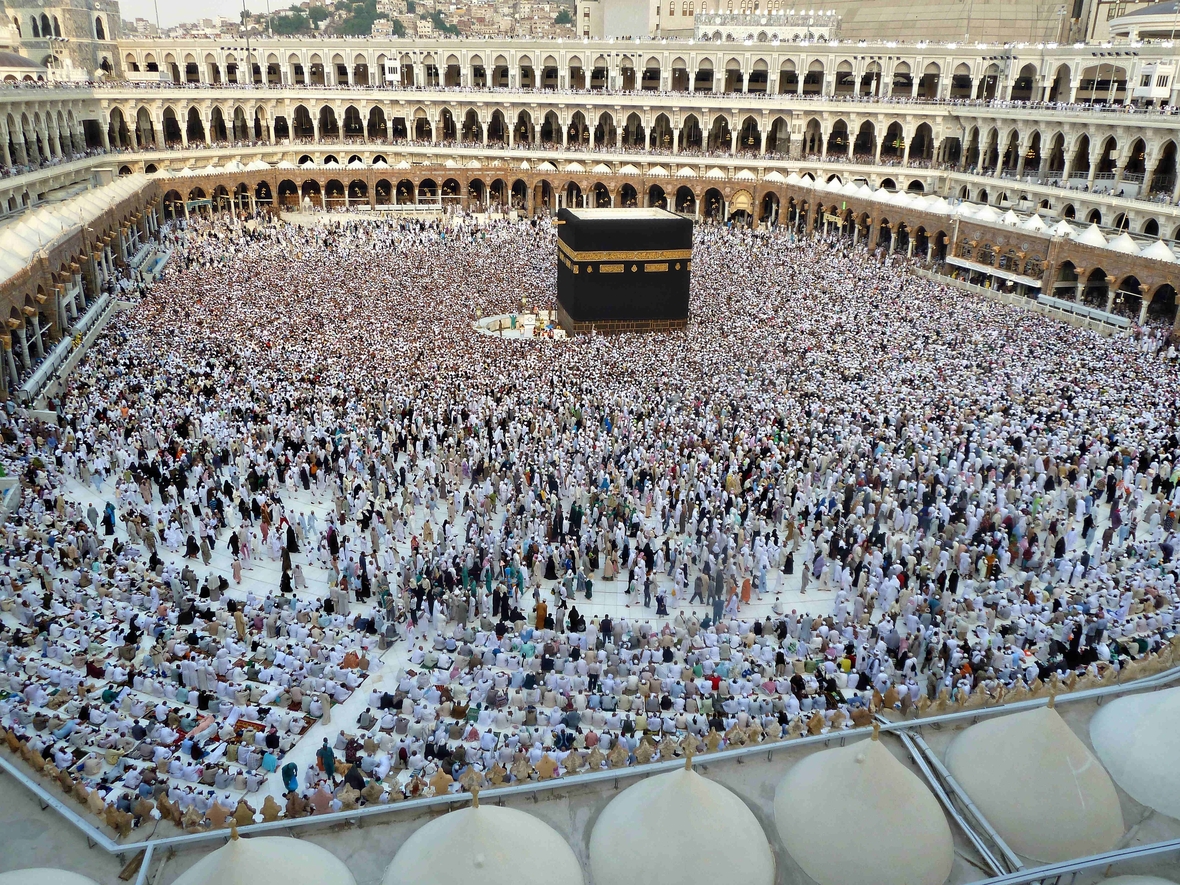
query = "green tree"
x=286 y=24
x=399 y=30
x=410 y=7
x=440 y=24
x=564 y=17
x=317 y=14
x=359 y=21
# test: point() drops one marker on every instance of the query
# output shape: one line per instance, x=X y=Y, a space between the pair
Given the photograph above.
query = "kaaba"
x=622 y=270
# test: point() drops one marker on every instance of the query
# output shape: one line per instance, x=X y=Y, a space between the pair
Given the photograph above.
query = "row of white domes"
x=982 y=212
x=1028 y=773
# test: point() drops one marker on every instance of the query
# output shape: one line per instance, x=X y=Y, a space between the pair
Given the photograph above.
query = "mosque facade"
x=812 y=133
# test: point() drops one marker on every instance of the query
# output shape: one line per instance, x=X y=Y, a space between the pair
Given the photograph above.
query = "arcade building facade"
x=965 y=157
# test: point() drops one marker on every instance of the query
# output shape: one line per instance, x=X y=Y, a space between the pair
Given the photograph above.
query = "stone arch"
x=195 y=126
x=551 y=128
x=749 y=136
x=778 y=137
x=329 y=126
x=813 y=81
x=634 y=134
x=354 y=124
x=377 y=127
x=472 y=129
x=1163 y=175
x=713 y=204
x=310 y=192
x=217 y=128
x=447 y=130
x=1023 y=83
x=524 y=131
x=893 y=142
x=428 y=191
x=866 y=140
x=720 y=137
x=661 y=134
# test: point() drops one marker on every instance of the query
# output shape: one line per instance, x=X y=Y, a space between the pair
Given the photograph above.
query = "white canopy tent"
x=653 y=832
x=267 y=860
x=1040 y=787
x=488 y=845
x=871 y=786
x=1135 y=736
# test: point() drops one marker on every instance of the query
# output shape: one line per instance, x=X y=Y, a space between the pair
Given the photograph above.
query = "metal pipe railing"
x=978 y=816
x=1093 y=861
x=940 y=793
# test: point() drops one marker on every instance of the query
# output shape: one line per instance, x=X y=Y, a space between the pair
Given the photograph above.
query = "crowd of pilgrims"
x=842 y=490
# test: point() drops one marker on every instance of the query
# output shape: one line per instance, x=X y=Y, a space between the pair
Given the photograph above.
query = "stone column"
x=1110 y=293
x=1145 y=302
x=24 y=345
x=10 y=362
x=1079 y=286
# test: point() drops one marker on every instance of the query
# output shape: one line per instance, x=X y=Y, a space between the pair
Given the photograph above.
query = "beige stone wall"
x=990 y=21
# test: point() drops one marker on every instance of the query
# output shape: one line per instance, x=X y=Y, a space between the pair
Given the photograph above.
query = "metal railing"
x=59 y=356
x=1067 y=311
x=533 y=789
x=1081 y=310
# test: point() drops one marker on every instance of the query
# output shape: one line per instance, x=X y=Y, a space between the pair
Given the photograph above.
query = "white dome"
x=1137 y=880
x=43 y=876
x=867 y=781
x=488 y=845
x=653 y=831
x=268 y=860
x=1131 y=735
x=1091 y=236
x=1123 y=243
x=1159 y=251
x=1040 y=787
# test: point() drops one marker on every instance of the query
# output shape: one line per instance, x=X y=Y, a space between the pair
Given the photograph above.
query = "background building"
x=76 y=39
x=1001 y=21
